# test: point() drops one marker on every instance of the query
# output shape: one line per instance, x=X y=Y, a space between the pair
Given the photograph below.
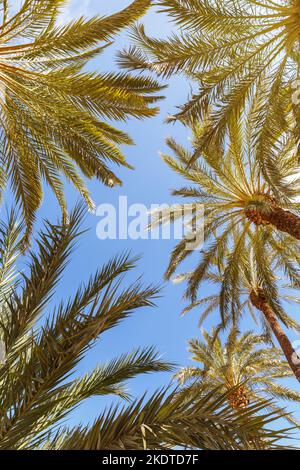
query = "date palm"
x=54 y=113
x=231 y=50
x=244 y=217
x=240 y=206
x=43 y=344
x=251 y=287
x=242 y=366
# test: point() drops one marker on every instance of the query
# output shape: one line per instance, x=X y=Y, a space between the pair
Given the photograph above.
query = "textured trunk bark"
x=259 y=301
x=285 y=221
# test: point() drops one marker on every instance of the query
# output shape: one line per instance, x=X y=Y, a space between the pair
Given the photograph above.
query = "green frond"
x=43 y=343
x=54 y=114
x=164 y=421
x=231 y=53
x=239 y=360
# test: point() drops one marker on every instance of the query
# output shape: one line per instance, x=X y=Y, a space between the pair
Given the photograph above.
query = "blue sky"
x=150 y=182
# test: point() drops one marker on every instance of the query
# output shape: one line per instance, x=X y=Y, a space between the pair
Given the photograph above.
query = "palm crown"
x=232 y=304
x=243 y=366
x=53 y=113
x=240 y=206
x=53 y=126
x=251 y=227
x=232 y=51
x=250 y=288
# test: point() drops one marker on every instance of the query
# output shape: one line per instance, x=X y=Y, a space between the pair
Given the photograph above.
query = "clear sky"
x=151 y=182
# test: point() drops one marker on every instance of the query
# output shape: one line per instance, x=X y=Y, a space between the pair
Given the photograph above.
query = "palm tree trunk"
x=259 y=300
x=284 y=220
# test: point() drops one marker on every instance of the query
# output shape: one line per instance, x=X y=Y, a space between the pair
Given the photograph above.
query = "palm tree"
x=231 y=51
x=54 y=113
x=38 y=388
x=246 y=220
x=246 y=287
x=242 y=366
x=240 y=206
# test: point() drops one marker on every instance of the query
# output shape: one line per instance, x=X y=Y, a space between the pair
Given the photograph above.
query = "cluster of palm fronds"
x=244 y=368
x=243 y=59
x=44 y=343
x=53 y=111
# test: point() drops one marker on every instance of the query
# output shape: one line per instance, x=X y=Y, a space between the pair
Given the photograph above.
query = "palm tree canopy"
x=237 y=200
x=253 y=288
x=54 y=113
x=242 y=361
x=231 y=51
x=41 y=349
x=44 y=344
